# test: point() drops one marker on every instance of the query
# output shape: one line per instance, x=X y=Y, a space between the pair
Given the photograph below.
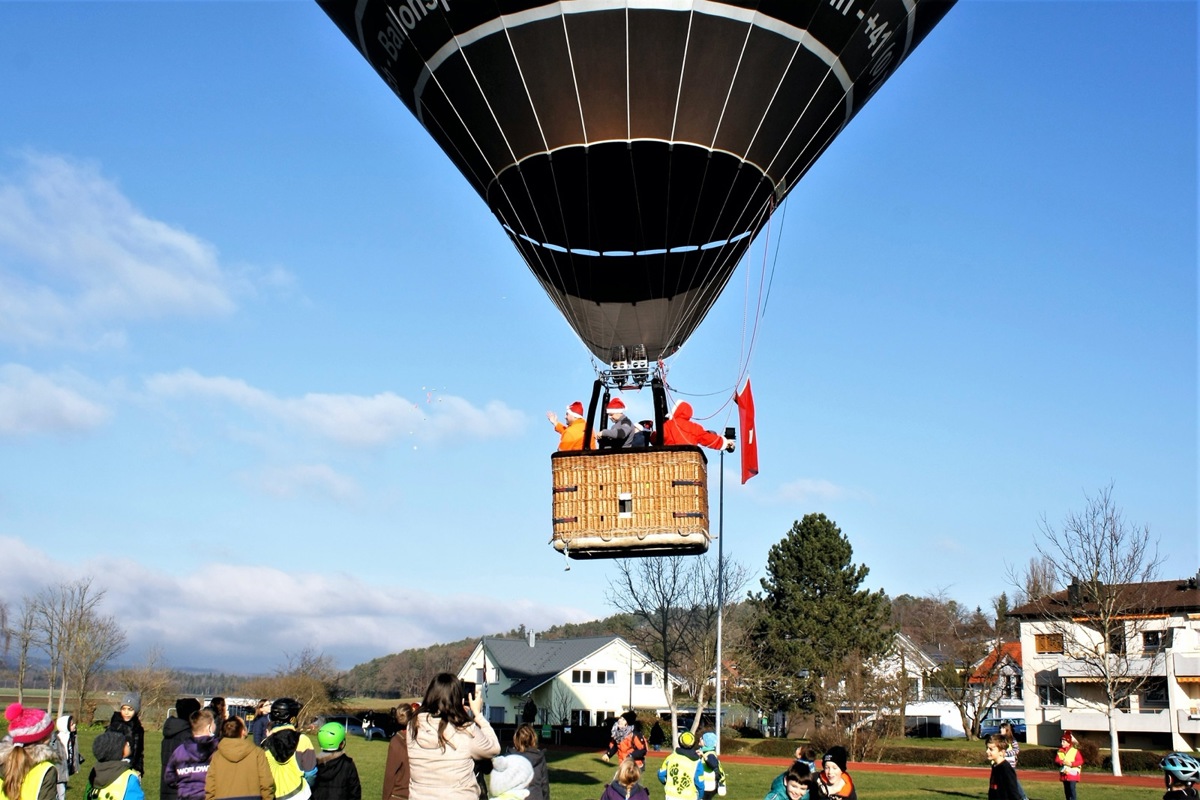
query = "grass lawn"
x=581 y=776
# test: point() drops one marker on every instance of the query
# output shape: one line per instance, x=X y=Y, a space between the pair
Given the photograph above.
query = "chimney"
x=532 y=638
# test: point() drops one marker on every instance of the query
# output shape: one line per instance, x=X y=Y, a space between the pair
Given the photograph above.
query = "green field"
x=581 y=776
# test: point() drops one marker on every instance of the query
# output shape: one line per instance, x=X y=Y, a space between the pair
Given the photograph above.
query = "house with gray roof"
x=579 y=682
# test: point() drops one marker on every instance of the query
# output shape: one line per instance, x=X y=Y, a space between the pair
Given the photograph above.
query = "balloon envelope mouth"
x=631 y=221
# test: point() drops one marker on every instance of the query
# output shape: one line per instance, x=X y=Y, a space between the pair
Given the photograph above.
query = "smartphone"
x=468 y=689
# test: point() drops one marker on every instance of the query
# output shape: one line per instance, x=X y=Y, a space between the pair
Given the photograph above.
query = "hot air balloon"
x=632 y=149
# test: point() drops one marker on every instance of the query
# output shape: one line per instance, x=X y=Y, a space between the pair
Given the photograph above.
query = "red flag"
x=745 y=404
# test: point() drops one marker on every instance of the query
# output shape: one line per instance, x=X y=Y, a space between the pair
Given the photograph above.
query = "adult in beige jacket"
x=447 y=735
x=238 y=770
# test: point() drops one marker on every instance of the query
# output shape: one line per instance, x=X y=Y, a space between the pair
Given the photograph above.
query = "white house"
x=568 y=681
x=1161 y=639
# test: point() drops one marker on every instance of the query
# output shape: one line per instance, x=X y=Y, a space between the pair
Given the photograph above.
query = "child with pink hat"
x=27 y=759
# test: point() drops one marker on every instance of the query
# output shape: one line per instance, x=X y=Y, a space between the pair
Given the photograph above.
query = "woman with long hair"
x=447 y=735
x=27 y=758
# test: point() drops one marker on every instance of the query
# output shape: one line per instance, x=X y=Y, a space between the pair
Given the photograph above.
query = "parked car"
x=351 y=722
x=992 y=726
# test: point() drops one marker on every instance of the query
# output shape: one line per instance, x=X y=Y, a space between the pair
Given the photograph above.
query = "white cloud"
x=304 y=479
x=78 y=260
x=815 y=490
x=245 y=618
x=353 y=420
x=32 y=403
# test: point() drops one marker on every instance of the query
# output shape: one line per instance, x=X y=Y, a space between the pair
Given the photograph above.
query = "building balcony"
x=1187 y=665
x=1189 y=721
x=1075 y=670
x=1142 y=722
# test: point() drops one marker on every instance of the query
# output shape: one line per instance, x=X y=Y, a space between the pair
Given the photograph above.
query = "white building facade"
x=1160 y=641
x=575 y=682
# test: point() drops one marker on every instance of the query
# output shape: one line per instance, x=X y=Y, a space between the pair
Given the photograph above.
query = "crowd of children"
x=37 y=758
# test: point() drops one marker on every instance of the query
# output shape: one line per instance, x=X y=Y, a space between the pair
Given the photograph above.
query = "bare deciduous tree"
x=1111 y=563
x=65 y=620
x=676 y=599
x=152 y=680
x=100 y=639
x=308 y=677
x=25 y=634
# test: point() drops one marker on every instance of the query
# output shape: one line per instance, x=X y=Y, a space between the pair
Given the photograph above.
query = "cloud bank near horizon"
x=248 y=619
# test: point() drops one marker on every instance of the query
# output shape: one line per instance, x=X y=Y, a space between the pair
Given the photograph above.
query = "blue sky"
x=273 y=375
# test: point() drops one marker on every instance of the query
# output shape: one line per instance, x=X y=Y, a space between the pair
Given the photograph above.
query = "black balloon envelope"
x=633 y=149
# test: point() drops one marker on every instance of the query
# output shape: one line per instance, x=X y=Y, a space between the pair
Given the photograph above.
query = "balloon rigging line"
x=682 y=70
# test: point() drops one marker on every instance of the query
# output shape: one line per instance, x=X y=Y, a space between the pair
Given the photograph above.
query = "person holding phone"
x=447 y=735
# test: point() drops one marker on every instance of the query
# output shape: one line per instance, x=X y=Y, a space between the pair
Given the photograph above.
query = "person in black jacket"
x=176 y=730
x=125 y=720
x=337 y=777
x=1002 y=783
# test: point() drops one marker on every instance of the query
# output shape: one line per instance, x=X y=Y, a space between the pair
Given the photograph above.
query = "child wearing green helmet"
x=337 y=777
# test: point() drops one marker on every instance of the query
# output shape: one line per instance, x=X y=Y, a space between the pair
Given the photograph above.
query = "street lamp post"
x=730 y=434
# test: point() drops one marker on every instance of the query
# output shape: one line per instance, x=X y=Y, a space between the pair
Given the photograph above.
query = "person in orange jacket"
x=571 y=434
x=680 y=429
x=1070 y=763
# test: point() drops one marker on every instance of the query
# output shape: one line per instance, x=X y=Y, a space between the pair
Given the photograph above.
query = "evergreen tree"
x=812 y=616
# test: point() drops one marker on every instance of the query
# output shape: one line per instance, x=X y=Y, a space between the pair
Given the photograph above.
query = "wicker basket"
x=630 y=502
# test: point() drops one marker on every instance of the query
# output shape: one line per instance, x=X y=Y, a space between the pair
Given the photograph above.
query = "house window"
x=581 y=717
x=480 y=677
x=606 y=676
x=496 y=715
x=643 y=679
x=1155 y=694
x=1050 y=694
x=1048 y=642
x=1153 y=641
x=581 y=676
x=1116 y=642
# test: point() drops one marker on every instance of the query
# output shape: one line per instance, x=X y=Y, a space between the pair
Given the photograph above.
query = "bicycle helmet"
x=1180 y=766
x=284 y=710
x=331 y=736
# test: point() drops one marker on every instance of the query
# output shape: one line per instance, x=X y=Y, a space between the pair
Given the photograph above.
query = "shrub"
x=749 y=732
x=1135 y=761
x=1090 y=752
x=1040 y=758
x=824 y=739
x=775 y=748
x=736 y=746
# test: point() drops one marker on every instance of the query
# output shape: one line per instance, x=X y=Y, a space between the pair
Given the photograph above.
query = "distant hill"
x=407 y=673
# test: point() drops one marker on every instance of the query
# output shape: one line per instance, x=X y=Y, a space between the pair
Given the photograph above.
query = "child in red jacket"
x=1070 y=764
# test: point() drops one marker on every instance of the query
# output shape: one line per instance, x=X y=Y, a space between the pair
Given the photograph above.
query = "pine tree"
x=812 y=616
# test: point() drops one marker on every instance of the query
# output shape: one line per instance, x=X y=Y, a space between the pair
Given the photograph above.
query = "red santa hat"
x=575 y=408
x=27 y=725
x=616 y=404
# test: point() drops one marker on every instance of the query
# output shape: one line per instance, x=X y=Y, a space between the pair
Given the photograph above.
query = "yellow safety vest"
x=33 y=782
x=681 y=773
x=116 y=789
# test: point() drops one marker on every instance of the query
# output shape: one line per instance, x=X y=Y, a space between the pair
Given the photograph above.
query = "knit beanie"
x=27 y=725
x=708 y=742
x=133 y=700
x=511 y=774
x=687 y=740
x=838 y=755
x=109 y=746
